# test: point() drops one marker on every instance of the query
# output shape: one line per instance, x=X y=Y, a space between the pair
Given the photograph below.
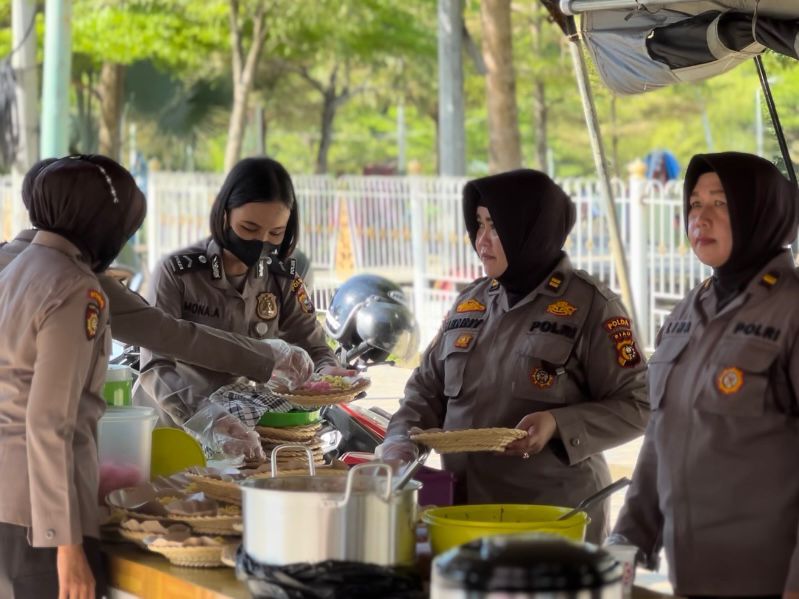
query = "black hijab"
x=763 y=214
x=532 y=215
x=90 y=200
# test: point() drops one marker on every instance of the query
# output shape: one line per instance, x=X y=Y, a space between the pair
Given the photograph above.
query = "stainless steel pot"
x=311 y=519
x=525 y=566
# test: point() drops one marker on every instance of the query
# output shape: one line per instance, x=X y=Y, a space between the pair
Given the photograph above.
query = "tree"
x=244 y=65
x=503 y=121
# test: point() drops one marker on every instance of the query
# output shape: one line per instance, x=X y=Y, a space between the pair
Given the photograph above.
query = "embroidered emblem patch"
x=266 y=308
x=617 y=323
x=627 y=354
x=543 y=379
x=463 y=341
x=298 y=288
x=730 y=380
x=555 y=281
x=561 y=308
x=92 y=320
x=97 y=297
x=470 y=305
x=770 y=279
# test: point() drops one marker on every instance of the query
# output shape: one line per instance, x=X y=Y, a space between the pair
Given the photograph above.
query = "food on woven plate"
x=467 y=440
x=325 y=384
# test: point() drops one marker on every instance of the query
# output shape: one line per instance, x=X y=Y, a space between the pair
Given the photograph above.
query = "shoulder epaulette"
x=180 y=264
x=600 y=287
x=285 y=268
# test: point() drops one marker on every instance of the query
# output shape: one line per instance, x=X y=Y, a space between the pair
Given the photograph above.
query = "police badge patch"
x=266 y=308
x=730 y=380
x=463 y=341
x=543 y=379
x=561 y=308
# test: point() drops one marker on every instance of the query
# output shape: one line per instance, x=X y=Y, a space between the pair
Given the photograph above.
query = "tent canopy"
x=639 y=46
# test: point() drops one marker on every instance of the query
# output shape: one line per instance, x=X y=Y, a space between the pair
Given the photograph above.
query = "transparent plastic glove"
x=293 y=365
x=221 y=432
x=397 y=448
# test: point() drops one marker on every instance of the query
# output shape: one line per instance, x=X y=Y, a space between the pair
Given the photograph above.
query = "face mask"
x=246 y=250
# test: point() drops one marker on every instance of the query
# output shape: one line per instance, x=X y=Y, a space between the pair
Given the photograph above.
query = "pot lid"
x=527 y=562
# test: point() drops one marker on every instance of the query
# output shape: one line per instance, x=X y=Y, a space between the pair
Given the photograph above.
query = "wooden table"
x=151 y=576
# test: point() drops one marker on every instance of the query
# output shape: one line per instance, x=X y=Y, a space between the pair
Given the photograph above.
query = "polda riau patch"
x=92 y=320
x=541 y=378
x=298 y=288
x=97 y=297
x=266 y=306
x=730 y=380
x=627 y=354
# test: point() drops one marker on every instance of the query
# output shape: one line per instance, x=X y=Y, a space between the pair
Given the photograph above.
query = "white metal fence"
x=410 y=229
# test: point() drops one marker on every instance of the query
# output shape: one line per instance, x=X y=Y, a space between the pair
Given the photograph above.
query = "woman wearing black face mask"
x=242 y=280
x=716 y=482
x=535 y=345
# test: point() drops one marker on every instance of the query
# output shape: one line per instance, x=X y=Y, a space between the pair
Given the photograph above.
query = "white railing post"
x=417 y=245
x=639 y=278
x=153 y=224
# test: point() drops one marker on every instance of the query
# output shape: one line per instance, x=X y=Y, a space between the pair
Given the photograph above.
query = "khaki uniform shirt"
x=135 y=322
x=567 y=348
x=716 y=482
x=53 y=355
x=192 y=285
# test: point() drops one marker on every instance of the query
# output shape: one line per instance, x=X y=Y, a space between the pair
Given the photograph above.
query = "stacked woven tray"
x=476 y=439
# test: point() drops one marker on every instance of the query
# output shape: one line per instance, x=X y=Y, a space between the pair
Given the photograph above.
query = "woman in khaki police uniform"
x=716 y=481
x=234 y=281
x=535 y=345
x=135 y=322
x=53 y=356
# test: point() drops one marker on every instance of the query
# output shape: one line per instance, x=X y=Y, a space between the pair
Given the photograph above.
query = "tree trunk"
x=540 y=108
x=243 y=77
x=235 y=133
x=326 y=139
x=503 y=123
x=111 y=88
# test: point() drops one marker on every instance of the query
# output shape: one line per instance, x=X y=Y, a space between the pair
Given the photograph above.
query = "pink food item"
x=117 y=476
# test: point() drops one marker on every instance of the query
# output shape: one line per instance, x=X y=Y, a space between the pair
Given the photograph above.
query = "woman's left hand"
x=540 y=427
x=337 y=371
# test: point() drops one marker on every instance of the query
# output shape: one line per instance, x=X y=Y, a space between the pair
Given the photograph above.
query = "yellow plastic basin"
x=452 y=526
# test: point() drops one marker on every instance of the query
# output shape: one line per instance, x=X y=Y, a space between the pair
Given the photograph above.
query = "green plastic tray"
x=286 y=419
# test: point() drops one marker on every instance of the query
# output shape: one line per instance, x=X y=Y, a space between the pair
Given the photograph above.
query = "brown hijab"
x=91 y=200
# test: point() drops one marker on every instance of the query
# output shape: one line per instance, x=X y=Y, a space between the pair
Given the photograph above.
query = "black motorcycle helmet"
x=370 y=319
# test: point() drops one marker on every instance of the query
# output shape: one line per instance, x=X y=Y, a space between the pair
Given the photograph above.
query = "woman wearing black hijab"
x=535 y=345
x=53 y=356
x=716 y=480
x=242 y=279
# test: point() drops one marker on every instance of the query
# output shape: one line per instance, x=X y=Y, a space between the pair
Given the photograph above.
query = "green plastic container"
x=286 y=419
x=118 y=383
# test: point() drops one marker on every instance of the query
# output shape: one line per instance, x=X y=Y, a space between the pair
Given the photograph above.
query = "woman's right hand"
x=293 y=365
x=75 y=579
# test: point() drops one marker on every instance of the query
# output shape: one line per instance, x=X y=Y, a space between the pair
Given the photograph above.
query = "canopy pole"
x=775 y=118
x=600 y=161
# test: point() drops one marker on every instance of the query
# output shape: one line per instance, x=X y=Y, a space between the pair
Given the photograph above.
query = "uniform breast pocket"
x=457 y=347
x=661 y=365
x=541 y=369
x=737 y=381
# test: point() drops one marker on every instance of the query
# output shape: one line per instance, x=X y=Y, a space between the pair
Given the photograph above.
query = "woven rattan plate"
x=308 y=399
x=475 y=439
x=192 y=557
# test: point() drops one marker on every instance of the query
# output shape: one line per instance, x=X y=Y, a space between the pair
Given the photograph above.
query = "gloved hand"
x=397 y=448
x=293 y=366
x=221 y=432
